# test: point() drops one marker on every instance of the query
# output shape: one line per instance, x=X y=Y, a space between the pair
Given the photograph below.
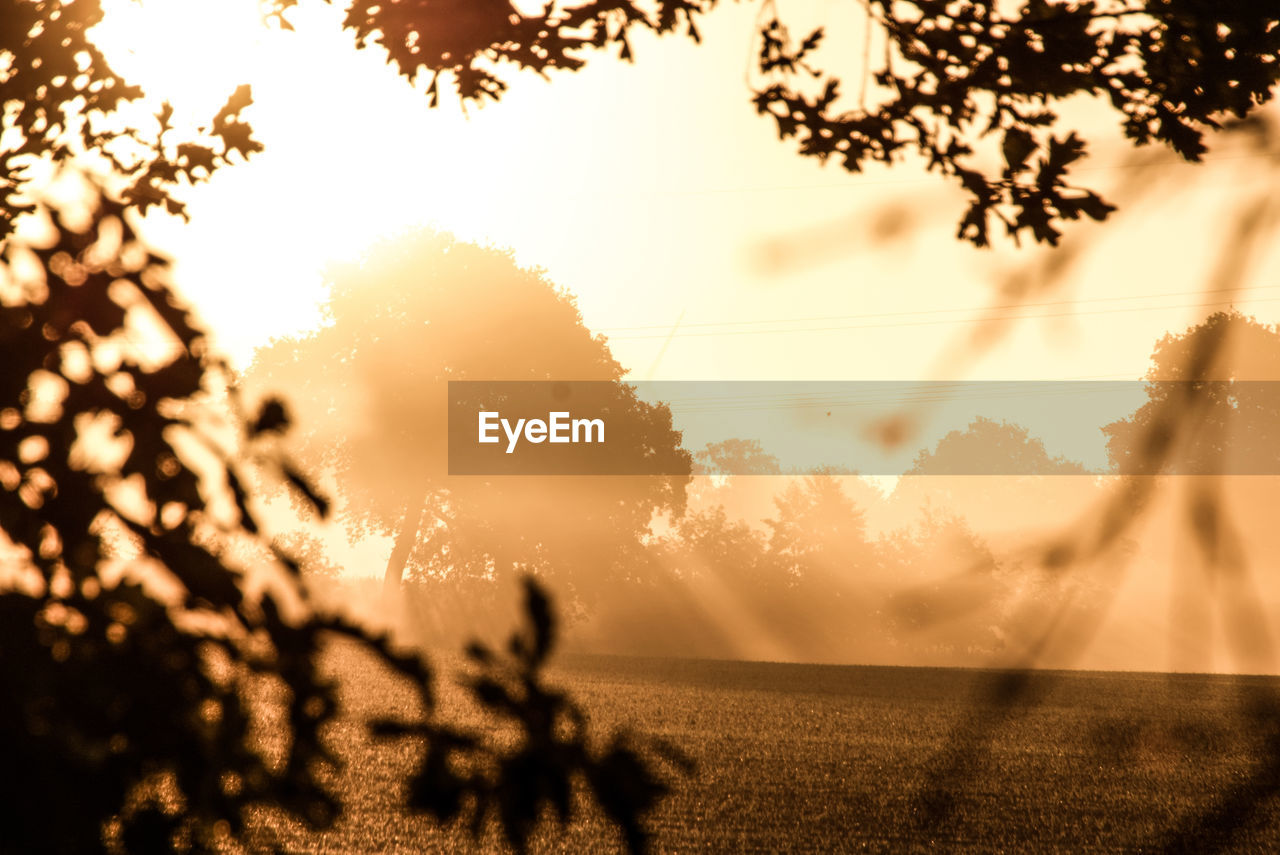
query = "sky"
x=701 y=245
x=654 y=193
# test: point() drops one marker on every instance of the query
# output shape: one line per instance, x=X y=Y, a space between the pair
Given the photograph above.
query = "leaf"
x=479 y=653
x=272 y=416
x=538 y=608
x=811 y=42
x=1018 y=145
x=241 y=499
x=242 y=97
x=1094 y=206
x=317 y=501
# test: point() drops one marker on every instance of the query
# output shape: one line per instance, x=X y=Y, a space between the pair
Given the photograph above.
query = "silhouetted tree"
x=735 y=457
x=372 y=385
x=987 y=447
x=1229 y=363
x=705 y=585
x=997 y=476
x=1213 y=411
x=815 y=524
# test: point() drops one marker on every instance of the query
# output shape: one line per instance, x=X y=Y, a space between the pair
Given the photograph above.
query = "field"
x=798 y=758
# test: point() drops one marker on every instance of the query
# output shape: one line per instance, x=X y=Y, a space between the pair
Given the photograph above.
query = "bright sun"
x=191 y=53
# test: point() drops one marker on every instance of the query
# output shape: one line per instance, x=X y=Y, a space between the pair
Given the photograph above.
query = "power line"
x=942 y=321
x=897 y=396
x=1005 y=306
x=853 y=182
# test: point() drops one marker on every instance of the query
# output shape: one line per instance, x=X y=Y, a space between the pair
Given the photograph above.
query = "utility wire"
x=942 y=321
x=1002 y=307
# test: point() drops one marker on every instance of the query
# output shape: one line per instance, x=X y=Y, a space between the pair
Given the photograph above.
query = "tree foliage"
x=1226 y=368
x=953 y=73
x=414 y=314
x=987 y=447
x=468 y=775
x=136 y=666
x=62 y=101
x=128 y=646
x=953 y=80
x=736 y=457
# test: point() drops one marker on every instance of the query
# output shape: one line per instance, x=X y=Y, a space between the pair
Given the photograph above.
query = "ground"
x=801 y=758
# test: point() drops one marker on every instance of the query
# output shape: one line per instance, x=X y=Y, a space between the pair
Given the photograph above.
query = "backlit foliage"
x=61 y=100
x=953 y=79
x=137 y=671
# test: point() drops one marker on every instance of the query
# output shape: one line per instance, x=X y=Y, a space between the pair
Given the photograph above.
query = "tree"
x=998 y=477
x=818 y=540
x=953 y=75
x=133 y=659
x=701 y=589
x=1212 y=412
x=414 y=314
x=127 y=697
x=128 y=647
x=958 y=81
x=987 y=447
x=951 y=595
x=1225 y=368
x=736 y=457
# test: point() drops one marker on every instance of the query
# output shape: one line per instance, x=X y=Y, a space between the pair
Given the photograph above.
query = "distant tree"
x=1212 y=410
x=707 y=581
x=710 y=545
x=1225 y=368
x=951 y=594
x=735 y=457
x=816 y=524
x=818 y=539
x=310 y=553
x=371 y=385
x=987 y=447
x=947 y=81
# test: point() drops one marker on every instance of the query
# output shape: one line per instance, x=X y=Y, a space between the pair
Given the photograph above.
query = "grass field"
x=796 y=758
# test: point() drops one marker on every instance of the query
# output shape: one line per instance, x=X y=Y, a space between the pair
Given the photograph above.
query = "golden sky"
x=655 y=194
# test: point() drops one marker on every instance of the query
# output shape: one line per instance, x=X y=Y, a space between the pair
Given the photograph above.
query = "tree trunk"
x=406 y=537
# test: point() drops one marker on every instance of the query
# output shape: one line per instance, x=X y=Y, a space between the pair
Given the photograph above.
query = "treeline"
x=819 y=568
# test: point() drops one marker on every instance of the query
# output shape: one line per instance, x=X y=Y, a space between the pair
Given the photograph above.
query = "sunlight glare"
x=192 y=53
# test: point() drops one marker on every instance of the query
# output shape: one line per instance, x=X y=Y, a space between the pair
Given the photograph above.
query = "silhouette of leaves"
x=134 y=663
x=271 y=417
x=117 y=702
x=476 y=778
x=953 y=73
x=64 y=100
